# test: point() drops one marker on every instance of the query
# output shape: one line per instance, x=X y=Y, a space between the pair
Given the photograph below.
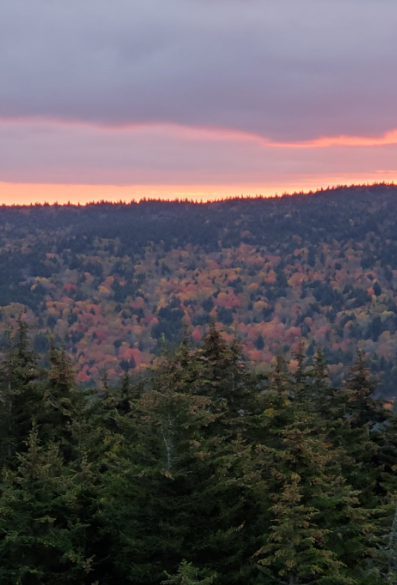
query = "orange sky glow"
x=26 y=194
x=51 y=161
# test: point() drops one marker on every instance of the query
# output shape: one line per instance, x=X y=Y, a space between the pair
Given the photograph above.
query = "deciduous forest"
x=108 y=282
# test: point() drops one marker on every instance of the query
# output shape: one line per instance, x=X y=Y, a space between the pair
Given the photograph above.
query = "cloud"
x=50 y=152
x=284 y=71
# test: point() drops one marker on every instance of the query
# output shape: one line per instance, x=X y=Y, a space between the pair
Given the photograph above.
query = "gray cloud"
x=67 y=154
x=281 y=69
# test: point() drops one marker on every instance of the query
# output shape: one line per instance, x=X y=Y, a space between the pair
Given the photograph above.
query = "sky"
x=194 y=98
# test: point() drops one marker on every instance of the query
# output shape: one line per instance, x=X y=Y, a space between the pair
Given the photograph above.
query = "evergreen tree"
x=20 y=392
x=202 y=471
x=386 y=493
x=189 y=575
x=42 y=535
x=145 y=491
x=62 y=402
x=225 y=378
x=315 y=519
x=362 y=408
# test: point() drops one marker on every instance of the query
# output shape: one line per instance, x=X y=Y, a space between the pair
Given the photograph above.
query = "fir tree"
x=62 y=401
x=362 y=408
x=225 y=378
x=310 y=509
x=20 y=392
x=145 y=506
x=42 y=535
x=189 y=575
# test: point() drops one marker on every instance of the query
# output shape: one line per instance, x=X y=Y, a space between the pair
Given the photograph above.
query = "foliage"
x=111 y=281
x=205 y=471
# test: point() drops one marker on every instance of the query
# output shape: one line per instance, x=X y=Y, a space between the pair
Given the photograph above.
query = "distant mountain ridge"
x=108 y=281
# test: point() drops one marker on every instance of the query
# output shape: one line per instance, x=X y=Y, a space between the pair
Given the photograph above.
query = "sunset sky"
x=123 y=99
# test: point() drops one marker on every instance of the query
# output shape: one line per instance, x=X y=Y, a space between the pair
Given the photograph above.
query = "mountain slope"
x=108 y=281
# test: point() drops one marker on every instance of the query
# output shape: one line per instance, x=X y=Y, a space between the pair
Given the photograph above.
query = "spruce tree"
x=20 y=392
x=188 y=574
x=225 y=377
x=315 y=519
x=62 y=401
x=145 y=491
x=42 y=535
x=362 y=407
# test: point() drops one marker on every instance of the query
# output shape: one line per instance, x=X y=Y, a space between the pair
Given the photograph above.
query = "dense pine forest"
x=109 y=282
x=203 y=471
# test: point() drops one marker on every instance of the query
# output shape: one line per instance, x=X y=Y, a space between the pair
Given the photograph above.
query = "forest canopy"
x=204 y=471
x=109 y=281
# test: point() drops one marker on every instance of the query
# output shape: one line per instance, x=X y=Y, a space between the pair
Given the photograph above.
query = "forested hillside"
x=203 y=472
x=109 y=281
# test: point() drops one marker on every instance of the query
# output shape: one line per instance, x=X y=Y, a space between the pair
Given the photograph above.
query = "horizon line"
x=222 y=199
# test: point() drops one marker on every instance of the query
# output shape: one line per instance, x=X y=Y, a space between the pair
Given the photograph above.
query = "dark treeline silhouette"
x=202 y=472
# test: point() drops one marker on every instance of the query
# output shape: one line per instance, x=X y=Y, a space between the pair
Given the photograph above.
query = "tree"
x=313 y=511
x=377 y=289
x=362 y=408
x=189 y=575
x=225 y=378
x=146 y=505
x=20 y=392
x=63 y=402
x=42 y=535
